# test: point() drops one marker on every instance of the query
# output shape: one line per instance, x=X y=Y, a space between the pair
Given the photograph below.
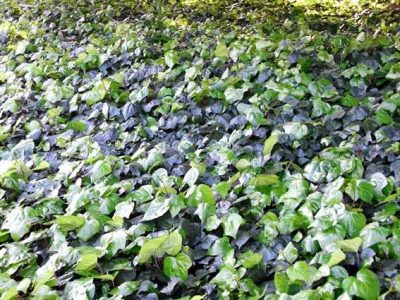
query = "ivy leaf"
x=98 y=93
x=221 y=51
x=127 y=288
x=177 y=266
x=205 y=211
x=281 y=281
x=394 y=72
x=156 y=209
x=231 y=224
x=76 y=125
x=304 y=272
x=336 y=257
x=191 y=176
x=99 y=170
x=290 y=253
x=270 y=143
x=373 y=234
x=261 y=44
x=86 y=262
x=10 y=294
x=226 y=277
x=113 y=241
x=383 y=117
x=21 y=47
x=365 y=285
x=89 y=229
x=353 y=222
x=365 y=191
x=68 y=223
x=18 y=222
x=171 y=58
x=296 y=129
x=206 y=195
x=220 y=247
x=351 y=245
x=266 y=179
x=242 y=165
x=251 y=259
x=233 y=95
x=322 y=88
x=124 y=209
x=166 y=244
x=223 y=188
x=173 y=244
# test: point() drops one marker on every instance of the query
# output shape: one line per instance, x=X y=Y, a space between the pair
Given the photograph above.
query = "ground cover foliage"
x=198 y=150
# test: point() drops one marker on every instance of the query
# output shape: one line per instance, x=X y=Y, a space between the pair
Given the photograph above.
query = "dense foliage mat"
x=241 y=151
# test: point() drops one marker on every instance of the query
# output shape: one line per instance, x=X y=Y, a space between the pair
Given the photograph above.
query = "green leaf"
x=353 y=222
x=351 y=245
x=212 y=223
x=82 y=288
x=124 y=209
x=261 y=44
x=166 y=244
x=177 y=266
x=365 y=191
x=173 y=244
x=171 y=58
x=220 y=247
x=302 y=271
x=349 y=101
x=231 y=224
x=32 y=126
x=336 y=257
x=383 y=117
x=290 y=253
x=322 y=88
x=17 y=222
x=89 y=229
x=99 y=170
x=68 y=223
x=233 y=95
x=206 y=195
x=394 y=72
x=191 y=176
x=190 y=73
x=76 y=125
x=320 y=108
x=242 y=164
x=205 y=211
x=266 y=179
x=97 y=93
x=223 y=188
x=113 y=241
x=151 y=248
x=221 y=51
x=127 y=288
x=10 y=294
x=366 y=285
x=86 y=262
x=156 y=209
x=281 y=281
x=21 y=47
x=296 y=129
x=373 y=234
x=251 y=259
x=227 y=276
x=270 y=143
x=325 y=56
x=24 y=285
